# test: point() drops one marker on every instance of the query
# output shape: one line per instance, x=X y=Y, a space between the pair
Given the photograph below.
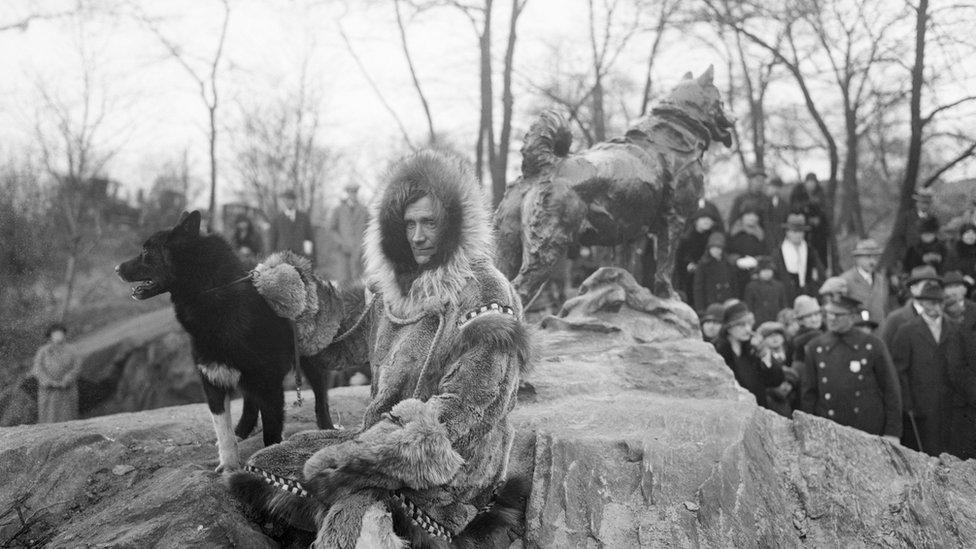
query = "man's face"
x=969 y=238
x=750 y=219
x=931 y=308
x=57 y=336
x=955 y=292
x=812 y=321
x=715 y=252
x=289 y=203
x=839 y=319
x=866 y=262
x=766 y=274
x=795 y=237
x=423 y=232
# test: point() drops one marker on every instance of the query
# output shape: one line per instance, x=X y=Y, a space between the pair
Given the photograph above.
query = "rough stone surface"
x=630 y=441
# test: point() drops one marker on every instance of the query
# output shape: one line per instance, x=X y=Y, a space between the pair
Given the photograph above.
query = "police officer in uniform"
x=849 y=376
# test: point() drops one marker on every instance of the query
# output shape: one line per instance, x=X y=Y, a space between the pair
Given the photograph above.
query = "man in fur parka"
x=447 y=348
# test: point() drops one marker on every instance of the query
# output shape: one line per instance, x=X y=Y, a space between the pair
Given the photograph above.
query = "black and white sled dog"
x=238 y=339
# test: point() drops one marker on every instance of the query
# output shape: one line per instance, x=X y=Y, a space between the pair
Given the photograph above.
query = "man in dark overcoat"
x=849 y=377
x=291 y=230
x=911 y=309
x=925 y=350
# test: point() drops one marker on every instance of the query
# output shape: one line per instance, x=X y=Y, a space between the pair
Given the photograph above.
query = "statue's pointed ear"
x=687 y=76
x=188 y=225
x=706 y=78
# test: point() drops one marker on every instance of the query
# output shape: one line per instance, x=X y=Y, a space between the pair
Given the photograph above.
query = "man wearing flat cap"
x=291 y=229
x=930 y=357
x=865 y=283
x=848 y=376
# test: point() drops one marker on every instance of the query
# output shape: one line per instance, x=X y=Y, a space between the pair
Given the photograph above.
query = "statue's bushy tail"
x=547 y=140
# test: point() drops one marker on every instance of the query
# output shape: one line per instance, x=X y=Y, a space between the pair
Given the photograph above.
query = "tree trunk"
x=500 y=166
x=599 y=118
x=895 y=247
x=212 y=223
x=486 y=140
x=851 y=218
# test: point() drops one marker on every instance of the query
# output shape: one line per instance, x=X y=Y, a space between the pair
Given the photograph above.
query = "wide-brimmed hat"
x=953 y=278
x=735 y=313
x=796 y=222
x=290 y=194
x=716 y=240
x=923 y=272
x=867 y=246
x=713 y=313
x=833 y=285
x=770 y=327
x=924 y=194
x=931 y=291
x=805 y=305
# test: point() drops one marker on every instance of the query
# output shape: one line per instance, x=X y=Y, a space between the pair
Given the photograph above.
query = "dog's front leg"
x=218 y=400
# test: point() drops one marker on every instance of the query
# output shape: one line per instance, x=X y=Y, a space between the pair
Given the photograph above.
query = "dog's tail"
x=491 y=527
x=547 y=140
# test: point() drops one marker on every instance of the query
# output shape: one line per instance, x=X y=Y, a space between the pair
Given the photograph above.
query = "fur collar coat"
x=447 y=347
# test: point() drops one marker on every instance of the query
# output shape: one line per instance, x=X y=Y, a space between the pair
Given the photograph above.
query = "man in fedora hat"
x=925 y=351
x=848 y=375
x=348 y=223
x=291 y=229
x=912 y=308
x=865 y=283
x=799 y=265
x=958 y=308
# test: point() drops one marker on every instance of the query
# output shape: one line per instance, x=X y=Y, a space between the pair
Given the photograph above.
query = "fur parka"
x=447 y=348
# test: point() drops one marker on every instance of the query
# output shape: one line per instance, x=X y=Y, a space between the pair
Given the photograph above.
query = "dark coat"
x=816 y=274
x=777 y=209
x=915 y=256
x=744 y=243
x=765 y=298
x=749 y=201
x=850 y=379
x=690 y=250
x=962 y=400
x=749 y=370
x=290 y=235
x=898 y=318
x=714 y=282
x=911 y=221
x=967 y=320
x=923 y=368
x=962 y=258
x=812 y=206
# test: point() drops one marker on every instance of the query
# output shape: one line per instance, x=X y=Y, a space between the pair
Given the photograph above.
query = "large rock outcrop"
x=633 y=432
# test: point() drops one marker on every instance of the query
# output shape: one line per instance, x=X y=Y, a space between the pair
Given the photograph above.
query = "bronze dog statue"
x=648 y=181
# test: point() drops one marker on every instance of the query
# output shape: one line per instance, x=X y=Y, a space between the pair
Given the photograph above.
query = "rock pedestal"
x=633 y=432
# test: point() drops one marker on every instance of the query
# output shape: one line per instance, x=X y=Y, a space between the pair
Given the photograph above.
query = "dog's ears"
x=188 y=225
x=706 y=78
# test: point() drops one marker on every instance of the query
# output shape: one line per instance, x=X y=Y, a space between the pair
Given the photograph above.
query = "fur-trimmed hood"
x=465 y=243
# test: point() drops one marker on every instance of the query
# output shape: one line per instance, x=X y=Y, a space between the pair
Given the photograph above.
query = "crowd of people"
x=893 y=356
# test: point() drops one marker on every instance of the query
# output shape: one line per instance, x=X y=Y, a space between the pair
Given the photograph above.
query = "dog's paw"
x=228 y=467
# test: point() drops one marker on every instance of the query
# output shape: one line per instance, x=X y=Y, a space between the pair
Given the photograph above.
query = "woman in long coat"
x=56 y=368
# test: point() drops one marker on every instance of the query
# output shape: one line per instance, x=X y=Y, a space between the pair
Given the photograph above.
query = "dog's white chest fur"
x=220 y=375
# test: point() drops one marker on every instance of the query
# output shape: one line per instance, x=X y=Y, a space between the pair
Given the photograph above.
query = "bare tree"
x=74 y=151
x=431 y=135
x=206 y=80
x=665 y=14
